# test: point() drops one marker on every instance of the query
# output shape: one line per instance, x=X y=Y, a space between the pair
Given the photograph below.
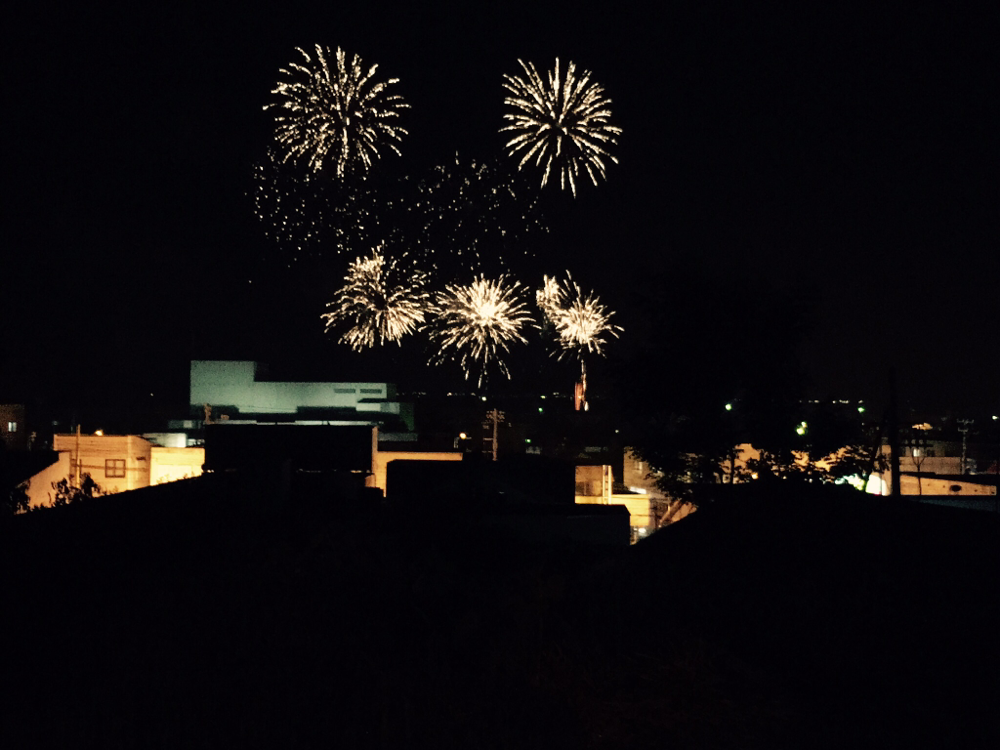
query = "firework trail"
x=381 y=300
x=562 y=124
x=477 y=323
x=332 y=110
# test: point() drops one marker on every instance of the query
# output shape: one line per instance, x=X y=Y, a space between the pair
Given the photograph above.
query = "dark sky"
x=851 y=156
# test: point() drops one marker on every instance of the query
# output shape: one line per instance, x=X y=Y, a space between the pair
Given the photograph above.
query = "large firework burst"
x=381 y=300
x=335 y=112
x=478 y=322
x=562 y=124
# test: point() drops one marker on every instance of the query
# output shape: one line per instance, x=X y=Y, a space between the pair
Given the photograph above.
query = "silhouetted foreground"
x=198 y=619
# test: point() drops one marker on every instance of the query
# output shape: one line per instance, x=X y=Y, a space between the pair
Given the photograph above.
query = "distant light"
x=527 y=440
x=543 y=396
x=642 y=531
x=483 y=398
x=99 y=433
x=729 y=407
x=462 y=436
x=540 y=410
x=995 y=417
x=801 y=429
x=861 y=410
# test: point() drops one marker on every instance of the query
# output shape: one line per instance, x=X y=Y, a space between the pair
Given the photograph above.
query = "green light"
x=801 y=429
x=540 y=410
x=861 y=410
x=729 y=407
x=527 y=440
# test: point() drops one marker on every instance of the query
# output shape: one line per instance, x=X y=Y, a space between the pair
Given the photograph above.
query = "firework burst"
x=332 y=110
x=381 y=300
x=581 y=321
x=478 y=322
x=562 y=124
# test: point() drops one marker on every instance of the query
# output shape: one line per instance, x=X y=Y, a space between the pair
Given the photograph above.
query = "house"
x=117 y=463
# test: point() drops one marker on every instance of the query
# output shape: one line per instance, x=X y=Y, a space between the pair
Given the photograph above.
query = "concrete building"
x=239 y=391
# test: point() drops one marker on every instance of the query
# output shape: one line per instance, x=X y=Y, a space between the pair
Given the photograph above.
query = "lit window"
x=114 y=468
x=12 y=427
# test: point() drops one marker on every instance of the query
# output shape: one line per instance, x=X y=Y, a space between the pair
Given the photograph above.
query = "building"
x=117 y=463
x=13 y=429
x=240 y=391
x=596 y=485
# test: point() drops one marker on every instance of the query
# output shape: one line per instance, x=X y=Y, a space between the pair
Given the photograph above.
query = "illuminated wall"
x=230 y=386
x=382 y=459
x=40 y=486
x=171 y=464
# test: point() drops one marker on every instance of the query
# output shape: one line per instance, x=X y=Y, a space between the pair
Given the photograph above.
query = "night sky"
x=850 y=157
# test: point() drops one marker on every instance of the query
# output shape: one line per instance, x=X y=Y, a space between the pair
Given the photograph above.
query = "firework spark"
x=472 y=216
x=381 y=300
x=562 y=124
x=337 y=112
x=460 y=217
x=478 y=322
x=549 y=298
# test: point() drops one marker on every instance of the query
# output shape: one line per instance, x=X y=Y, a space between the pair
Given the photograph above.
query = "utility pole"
x=77 y=454
x=493 y=419
x=963 y=427
x=892 y=427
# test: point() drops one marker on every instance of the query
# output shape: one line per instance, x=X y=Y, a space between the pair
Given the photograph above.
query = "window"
x=377 y=391
x=114 y=468
x=12 y=427
x=343 y=390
